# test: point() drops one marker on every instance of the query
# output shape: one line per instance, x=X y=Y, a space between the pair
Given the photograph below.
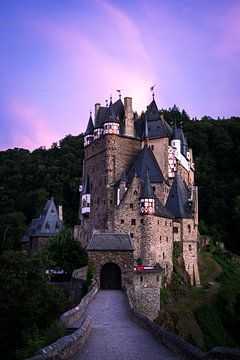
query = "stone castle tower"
x=138 y=181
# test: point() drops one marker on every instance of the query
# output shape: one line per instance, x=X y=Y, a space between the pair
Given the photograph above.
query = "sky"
x=60 y=57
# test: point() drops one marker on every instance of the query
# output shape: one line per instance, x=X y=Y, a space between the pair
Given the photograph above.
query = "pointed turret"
x=86 y=196
x=146 y=161
x=147 y=199
x=88 y=136
x=178 y=202
x=111 y=124
x=175 y=138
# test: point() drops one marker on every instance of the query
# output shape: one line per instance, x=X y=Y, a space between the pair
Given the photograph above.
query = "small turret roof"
x=152 y=111
x=111 y=114
x=90 y=126
x=175 y=132
x=146 y=161
x=101 y=116
x=177 y=202
x=147 y=192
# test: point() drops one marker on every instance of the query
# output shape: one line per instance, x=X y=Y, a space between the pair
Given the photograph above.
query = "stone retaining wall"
x=67 y=346
x=71 y=315
x=176 y=344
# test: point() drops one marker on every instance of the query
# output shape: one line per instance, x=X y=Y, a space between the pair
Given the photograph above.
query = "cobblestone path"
x=115 y=336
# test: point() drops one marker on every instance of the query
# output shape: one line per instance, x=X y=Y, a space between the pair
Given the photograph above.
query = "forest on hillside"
x=28 y=179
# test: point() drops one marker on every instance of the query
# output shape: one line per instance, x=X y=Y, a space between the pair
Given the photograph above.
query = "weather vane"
x=152 y=90
x=119 y=93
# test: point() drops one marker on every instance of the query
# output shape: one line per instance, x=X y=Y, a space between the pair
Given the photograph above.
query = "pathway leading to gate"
x=115 y=336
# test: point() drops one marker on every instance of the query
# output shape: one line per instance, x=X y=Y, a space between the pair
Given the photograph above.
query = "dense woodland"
x=28 y=179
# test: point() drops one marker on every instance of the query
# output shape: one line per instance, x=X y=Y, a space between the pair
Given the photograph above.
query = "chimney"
x=129 y=117
x=97 y=106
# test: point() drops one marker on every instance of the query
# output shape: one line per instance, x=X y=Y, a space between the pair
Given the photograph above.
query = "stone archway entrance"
x=110 y=277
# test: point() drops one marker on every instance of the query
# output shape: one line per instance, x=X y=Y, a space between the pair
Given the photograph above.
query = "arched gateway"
x=110 y=277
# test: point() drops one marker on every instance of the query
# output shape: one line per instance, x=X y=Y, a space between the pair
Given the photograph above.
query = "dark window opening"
x=175 y=230
x=131 y=235
x=122 y=221
x=133 y=222
x=131 y=206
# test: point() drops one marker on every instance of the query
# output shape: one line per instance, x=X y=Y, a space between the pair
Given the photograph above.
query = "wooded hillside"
x=28 y=179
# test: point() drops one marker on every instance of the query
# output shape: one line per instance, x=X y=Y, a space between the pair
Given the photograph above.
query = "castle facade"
x=138 y=179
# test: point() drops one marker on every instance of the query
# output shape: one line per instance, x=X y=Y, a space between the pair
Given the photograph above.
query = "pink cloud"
x=30 y=128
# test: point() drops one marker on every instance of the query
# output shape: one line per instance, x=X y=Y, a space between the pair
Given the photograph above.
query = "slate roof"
x=152 y=111
x=159 y=128
x=90 y=127
x=101 y=116
x=175 y=133
x=111 y=114
x=113 y=242
x=147 y=192
x=177 y=203
x=144 y=162
x=48 y=223
x=161 y=209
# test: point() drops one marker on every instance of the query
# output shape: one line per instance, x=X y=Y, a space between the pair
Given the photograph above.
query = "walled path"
x=115 y=336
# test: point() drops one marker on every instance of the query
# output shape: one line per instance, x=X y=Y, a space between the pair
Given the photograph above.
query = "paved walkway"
x=115 y=336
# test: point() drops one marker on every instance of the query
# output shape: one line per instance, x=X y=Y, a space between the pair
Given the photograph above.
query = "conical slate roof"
x=175 y=133
x=177 y=203
x=101 y=117
x=152 y=111
x=90 y=126
x=147 y=192
x=111 y=115
x=144 y=162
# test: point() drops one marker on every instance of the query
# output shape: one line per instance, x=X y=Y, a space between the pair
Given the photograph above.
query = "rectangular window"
x=131 y=235
x=175 y=230
x=122 y=221
x=142 y=221
x=133 y=222
x=152 y=147
x=189 y=228
x=190 y=247
x=131 y=206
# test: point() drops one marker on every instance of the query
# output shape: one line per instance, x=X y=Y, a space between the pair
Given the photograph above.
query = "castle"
x=138 y=195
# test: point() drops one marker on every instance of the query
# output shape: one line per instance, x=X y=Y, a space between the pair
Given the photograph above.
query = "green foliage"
x=66 y=251
x=27 y=301
x=221 y=320
x=213 y=328
x=34 y=339
x=27 y=180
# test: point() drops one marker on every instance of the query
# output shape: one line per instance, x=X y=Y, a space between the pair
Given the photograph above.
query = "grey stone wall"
x=146 y=292
x=66 y=347
x=124 y=259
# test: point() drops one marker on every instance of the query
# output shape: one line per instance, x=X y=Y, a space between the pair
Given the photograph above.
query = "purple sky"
x=59 y=57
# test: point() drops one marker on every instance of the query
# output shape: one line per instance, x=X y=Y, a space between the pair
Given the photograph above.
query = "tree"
x=66 y=251
x=27 y=301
